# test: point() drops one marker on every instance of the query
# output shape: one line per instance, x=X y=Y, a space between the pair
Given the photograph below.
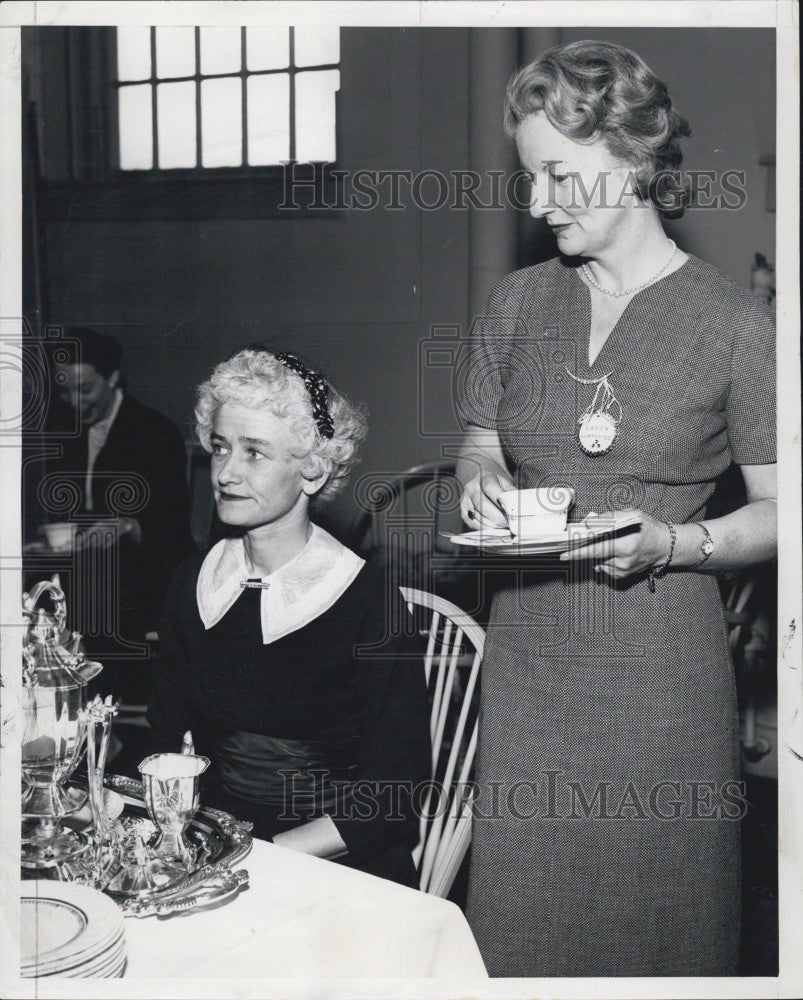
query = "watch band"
x=706 y=546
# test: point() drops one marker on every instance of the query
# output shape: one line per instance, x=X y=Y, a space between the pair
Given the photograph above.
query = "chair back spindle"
x=455 y=646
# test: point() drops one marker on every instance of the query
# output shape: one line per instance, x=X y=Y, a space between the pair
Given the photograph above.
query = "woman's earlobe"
x=313 y=486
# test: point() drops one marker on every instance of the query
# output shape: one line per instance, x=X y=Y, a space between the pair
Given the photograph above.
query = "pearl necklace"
x=629 y=291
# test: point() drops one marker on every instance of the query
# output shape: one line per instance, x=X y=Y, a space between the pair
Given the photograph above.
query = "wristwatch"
x=706 y=546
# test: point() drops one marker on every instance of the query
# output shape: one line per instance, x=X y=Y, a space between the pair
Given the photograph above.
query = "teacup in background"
x=59 y=536
x=537 y=512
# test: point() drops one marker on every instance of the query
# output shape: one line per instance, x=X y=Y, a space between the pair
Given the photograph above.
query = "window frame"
x=91 y=187
x=263 y=172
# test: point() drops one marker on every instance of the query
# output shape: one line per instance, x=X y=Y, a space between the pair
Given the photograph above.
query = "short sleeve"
x=750 y=408
x=483 y=370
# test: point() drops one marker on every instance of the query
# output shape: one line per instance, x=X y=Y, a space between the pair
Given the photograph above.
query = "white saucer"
x=500 y=540
x=42 y=548
x=68 y=929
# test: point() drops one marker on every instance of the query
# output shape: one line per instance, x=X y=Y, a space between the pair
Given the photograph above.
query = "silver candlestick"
x=99 y=714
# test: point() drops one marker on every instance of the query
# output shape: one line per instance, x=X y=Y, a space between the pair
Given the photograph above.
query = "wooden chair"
x=455 y=645
x=751 y=647
x=402 y=515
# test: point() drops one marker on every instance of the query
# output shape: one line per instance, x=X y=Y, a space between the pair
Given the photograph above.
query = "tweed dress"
x=606 y=833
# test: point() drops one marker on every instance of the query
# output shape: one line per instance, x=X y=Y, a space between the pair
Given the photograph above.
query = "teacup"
x=535 y=513
x=59 y=536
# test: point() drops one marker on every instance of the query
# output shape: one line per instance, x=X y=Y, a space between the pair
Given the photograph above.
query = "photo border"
x=782 y=16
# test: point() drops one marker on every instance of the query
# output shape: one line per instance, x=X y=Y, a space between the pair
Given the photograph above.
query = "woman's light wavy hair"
x=592 y=90
x=257 y=379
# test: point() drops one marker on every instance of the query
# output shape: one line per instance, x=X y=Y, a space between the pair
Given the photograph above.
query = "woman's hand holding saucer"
x=480 y=504
x=628 y=554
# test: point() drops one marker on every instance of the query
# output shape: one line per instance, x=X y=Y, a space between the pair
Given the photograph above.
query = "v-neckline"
x=587 y=354
x=587 y=316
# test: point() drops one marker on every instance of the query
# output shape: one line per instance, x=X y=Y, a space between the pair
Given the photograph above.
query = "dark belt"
x=302 y=776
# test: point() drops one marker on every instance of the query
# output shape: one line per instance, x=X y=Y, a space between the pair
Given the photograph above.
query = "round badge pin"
x=596 y=433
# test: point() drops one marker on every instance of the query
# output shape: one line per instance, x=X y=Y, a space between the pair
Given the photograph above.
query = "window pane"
x=175 y=52
x=221 y=122
x=220 y=50
x=136 y=135
x=133 y=53
x=175 y=117
x=268 y=119
x=317 y=46
x=267 y=48
x=315 y=115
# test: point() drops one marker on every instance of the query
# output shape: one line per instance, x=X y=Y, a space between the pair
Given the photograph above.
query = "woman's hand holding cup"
x=480 y=504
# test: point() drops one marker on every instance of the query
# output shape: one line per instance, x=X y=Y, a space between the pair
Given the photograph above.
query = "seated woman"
x=277 y=646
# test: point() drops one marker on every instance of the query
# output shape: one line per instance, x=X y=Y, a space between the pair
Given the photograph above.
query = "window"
x=226 y=97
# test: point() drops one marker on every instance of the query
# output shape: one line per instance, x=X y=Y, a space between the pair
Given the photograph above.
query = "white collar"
x=297 y=593
x=102 y=427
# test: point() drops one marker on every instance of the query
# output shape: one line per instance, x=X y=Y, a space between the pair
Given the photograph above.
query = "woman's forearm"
x=472 y=464
x=745 y=537
x=480 y=453
x=319 y=837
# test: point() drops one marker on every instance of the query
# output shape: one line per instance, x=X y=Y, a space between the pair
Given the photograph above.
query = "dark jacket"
x=140 y=472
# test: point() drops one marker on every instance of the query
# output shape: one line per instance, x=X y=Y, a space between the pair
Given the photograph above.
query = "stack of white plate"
x=70 y=930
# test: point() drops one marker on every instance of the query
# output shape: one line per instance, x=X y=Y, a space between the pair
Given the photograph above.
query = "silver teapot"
x=55 y=675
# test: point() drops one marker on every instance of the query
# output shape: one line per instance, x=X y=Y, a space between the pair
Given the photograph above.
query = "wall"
x=355 y=291
x=358 y=291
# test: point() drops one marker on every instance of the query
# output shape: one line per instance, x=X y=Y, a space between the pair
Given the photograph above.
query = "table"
x=302 y=917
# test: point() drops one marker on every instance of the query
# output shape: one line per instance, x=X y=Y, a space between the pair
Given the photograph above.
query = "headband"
x=317 y=389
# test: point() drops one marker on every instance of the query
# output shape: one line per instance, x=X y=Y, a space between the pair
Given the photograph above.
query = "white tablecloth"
x=301 y=917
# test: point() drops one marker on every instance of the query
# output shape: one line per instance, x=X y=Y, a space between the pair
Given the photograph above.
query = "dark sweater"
x=314 y=684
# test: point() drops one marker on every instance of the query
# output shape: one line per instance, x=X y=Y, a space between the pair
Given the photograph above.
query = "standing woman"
x=634 y=373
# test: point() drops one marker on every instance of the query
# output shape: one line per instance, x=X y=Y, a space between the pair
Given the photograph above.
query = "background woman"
x=272 y=639
x=634 y=373
x=126 y=469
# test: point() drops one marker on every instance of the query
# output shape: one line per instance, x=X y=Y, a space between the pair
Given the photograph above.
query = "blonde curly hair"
x=256 y=378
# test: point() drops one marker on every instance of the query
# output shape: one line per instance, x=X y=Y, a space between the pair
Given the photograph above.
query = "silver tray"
x=220 y=842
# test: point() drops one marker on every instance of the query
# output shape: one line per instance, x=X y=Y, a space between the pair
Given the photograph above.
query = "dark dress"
x=339 y=698
x=615 y=703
